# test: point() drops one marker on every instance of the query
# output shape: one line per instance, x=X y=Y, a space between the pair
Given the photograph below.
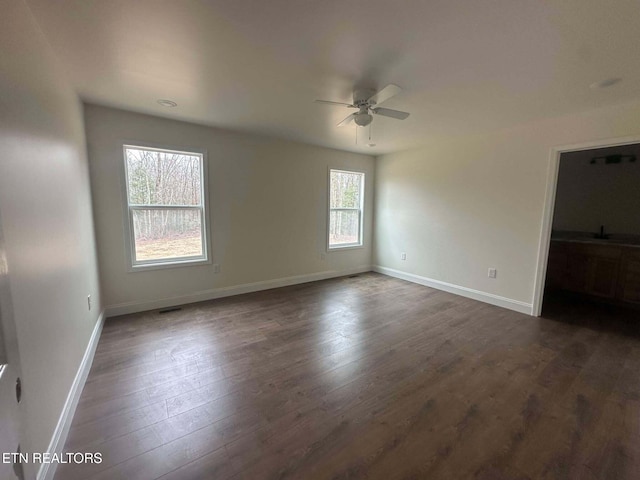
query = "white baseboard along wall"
x=134 y=307
x=48 y=470
x=490 y=298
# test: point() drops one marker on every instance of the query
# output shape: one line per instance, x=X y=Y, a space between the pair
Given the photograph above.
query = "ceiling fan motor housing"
x=365 y=100
x=361 y=99
x=361 y=95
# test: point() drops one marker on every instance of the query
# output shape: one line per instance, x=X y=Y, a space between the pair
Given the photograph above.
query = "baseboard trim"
x=202 y=296
x=497 y=300
x=48 y=470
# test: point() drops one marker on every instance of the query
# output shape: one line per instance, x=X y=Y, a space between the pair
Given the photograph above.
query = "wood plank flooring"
x=364 y=377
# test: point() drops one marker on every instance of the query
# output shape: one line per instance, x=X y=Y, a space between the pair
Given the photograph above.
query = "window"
x=166 y=206
x=346 y=197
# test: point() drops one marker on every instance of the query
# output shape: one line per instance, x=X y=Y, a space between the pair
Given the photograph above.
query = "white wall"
x=600 y=194
x=267 y=206
x=462 y=205
x=45 y=206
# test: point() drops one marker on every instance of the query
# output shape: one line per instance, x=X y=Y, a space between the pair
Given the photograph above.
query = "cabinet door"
x=603 y=276
x=577 y=272
x=629 y=290
x=556 y=267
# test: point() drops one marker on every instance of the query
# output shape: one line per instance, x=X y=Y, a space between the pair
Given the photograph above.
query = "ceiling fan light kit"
x=366 y=102
x=362 y=119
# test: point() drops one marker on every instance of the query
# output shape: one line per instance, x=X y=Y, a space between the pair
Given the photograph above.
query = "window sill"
x=159 y=266
x=345 y=247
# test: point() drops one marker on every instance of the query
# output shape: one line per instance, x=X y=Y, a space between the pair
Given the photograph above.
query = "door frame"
x=549 y=205
x=11 y=370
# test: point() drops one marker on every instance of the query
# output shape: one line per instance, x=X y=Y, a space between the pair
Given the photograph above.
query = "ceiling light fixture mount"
x=167 y=103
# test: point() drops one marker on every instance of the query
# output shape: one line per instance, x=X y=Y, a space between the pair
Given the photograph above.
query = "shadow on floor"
x=591 y=313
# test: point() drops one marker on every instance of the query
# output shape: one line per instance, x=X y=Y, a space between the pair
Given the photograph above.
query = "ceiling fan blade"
x=328 y=102
x=387 y=112
x=347 y=120
x=385 y=94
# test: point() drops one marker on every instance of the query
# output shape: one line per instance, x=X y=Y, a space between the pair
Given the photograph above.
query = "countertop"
x=599 y=241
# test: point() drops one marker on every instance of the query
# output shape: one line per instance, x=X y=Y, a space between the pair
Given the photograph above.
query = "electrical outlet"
x=89 y=302
x=403 y=256
x=216 y=268
x=493 y=273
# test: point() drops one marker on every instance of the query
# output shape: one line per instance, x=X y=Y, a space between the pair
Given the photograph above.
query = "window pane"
x=163 y=178
x=345 y=189
x=344 y=227
x=164 y=234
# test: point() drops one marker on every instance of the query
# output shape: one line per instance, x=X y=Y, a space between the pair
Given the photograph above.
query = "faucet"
x=601 y=235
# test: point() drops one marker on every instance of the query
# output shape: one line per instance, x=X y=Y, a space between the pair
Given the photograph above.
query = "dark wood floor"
x=366 y=377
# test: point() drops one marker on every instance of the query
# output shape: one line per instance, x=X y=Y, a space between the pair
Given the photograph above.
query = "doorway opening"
x=593 y=235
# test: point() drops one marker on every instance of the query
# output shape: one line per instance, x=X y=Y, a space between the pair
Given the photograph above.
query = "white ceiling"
x=257 y=65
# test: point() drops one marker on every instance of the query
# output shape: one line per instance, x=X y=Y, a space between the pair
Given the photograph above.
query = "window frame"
x=134 y=265
x=346 y=246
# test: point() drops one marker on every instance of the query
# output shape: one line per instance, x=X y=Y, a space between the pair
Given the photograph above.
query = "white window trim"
x=132 y=264
x=345 y=246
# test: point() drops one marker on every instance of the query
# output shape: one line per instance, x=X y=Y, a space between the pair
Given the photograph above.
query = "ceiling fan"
x=367 y=101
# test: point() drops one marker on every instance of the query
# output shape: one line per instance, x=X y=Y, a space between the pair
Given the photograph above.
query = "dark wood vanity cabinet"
x=606 y=271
